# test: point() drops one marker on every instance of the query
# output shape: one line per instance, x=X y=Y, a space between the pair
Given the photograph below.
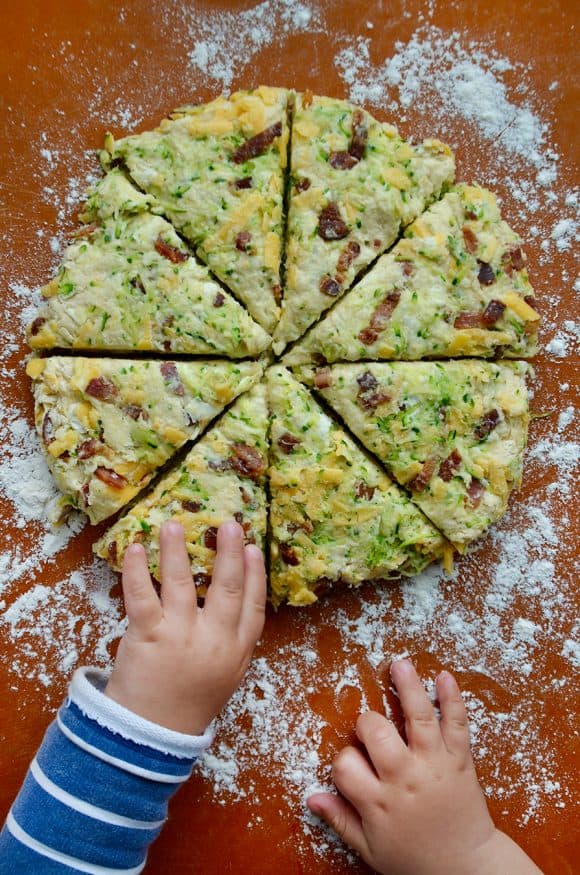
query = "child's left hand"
x=178 y=664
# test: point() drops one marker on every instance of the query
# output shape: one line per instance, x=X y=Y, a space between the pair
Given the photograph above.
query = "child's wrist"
x=175 y=717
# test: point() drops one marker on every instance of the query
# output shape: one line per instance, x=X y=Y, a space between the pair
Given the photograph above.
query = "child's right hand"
x=178 y=664
x=417 y=808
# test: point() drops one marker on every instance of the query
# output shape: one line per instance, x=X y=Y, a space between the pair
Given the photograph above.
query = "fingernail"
x=172 y=527
x=446 y=679
x=230 y=528
x=253 y=551
x=402 y=666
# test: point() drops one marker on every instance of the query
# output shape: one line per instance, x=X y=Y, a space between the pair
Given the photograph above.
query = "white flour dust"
x=273 y=722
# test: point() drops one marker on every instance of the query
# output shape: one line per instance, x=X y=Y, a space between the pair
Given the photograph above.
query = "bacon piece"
x=287 y=442
x=192 y=506
x=342 y=160
x=89 y=448
x=85 y=494
x=288 y=554
x=368 y=336
x=360 y=136
x=244 y=182
x=363 y=490
x=257 y=145
x=330 y=223
x=469 y=214
x=486 y=424
x=517 y=258
x=210 y=538
x=407 y=268
x=277 y=292
x=367 y=381
x=531 y=300
x=469 y=239
x=323 y=378
x=37 y=325
x=486 y=276
x=302 y=184
x=47 y=429
x=135 y=412
x=369 y=397
x=512 y=260
x=101 y=388
x=246 y=497
x=175 y=255
x=171 y=376
x=329 y=286
x=475 y=491
x=112 y=552
x=247 y=461
x=384 y=311
x=420 y=482
x=449 y=466
x=492 y=312
x=380 y=318
x=111 y=478
x=201 y=578
x=243 y=241
x=219 y=300
x=469 y=320
x=304 y=526
x=346 y=258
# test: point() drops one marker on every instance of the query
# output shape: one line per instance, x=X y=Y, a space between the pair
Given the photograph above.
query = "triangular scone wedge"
x=217 y=172
x=107 y=425
x=354 y=184
x=335 y=516
x=456 y=285
x=222 y=477
x=129 y=283
x=453 y=433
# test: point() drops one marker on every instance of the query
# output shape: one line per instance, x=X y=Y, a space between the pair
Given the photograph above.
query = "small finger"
x=354 y=777
x=421 y=724
x=254 y=603
x=454 y=722
x=385 y=747
x=341 y=817
x=141 y=602
x=226 y=592
x=177 y=589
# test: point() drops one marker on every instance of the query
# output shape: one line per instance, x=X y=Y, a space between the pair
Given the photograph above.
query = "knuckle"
x=338 y=823
x=423 y=718
x=230 y=584
x=181 y=580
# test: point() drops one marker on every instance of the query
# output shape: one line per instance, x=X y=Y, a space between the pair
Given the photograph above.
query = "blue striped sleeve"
x=97 y=792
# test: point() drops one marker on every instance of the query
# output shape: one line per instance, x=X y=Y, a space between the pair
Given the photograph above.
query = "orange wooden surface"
x=66 y=69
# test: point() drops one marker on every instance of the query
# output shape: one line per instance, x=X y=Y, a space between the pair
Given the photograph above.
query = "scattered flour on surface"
x=272 y=721
x=224 y=42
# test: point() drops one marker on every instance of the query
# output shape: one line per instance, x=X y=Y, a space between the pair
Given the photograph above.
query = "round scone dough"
x=276 y=225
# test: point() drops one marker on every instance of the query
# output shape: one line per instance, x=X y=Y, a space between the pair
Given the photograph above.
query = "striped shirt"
x=96 y=794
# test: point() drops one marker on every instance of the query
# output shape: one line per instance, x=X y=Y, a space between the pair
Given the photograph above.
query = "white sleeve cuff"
x=86 y=691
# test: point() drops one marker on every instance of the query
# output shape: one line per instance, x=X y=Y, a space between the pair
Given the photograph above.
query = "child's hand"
x=178 y=664
x=417 y=808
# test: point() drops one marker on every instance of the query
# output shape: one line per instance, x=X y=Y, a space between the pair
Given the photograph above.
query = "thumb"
x=340 y=817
